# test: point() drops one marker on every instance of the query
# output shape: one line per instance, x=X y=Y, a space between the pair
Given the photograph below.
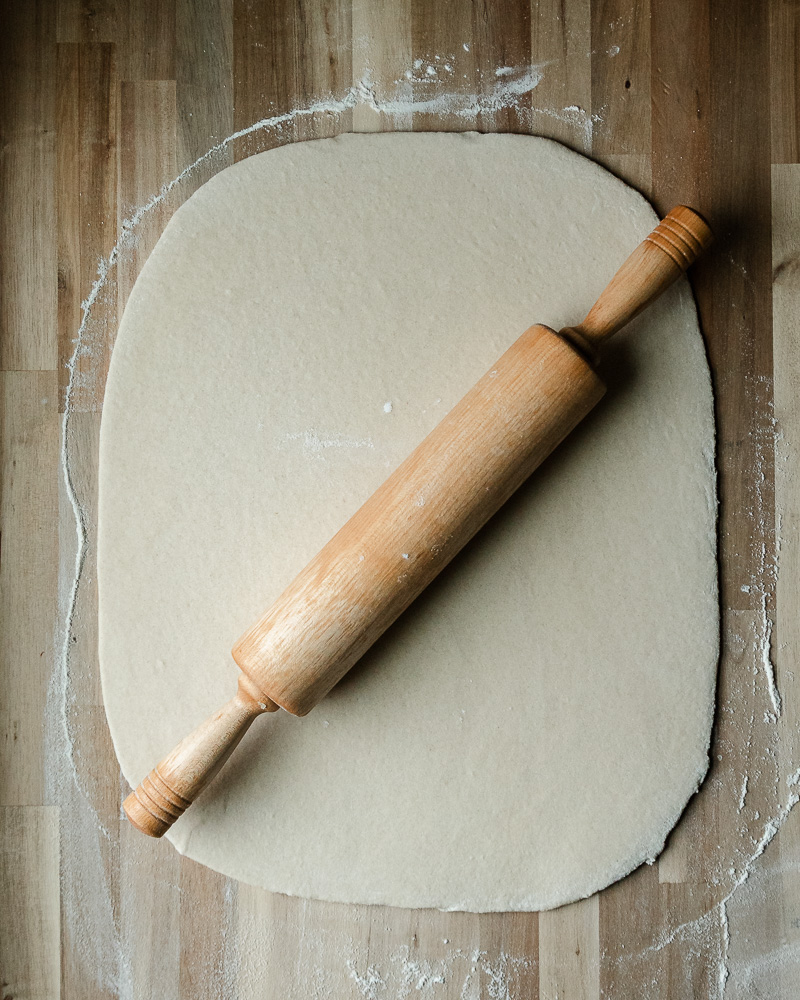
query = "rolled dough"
x=533 y=727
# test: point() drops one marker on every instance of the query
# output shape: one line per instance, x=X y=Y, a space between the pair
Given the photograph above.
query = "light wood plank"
x=207 y=955
x=86 y=776
x=509 y=953
x=147 y=161
x=785 y=80
x=150 y=916
x=68 y=183
x=29 y=942
x=382 y=60
x=569 y=951
x=689 y=942
x=29 y=463
x=630 y=917
x=786 y=327
x=84 y=779
x=83 y=437
x=280 y=948
x=786 y=330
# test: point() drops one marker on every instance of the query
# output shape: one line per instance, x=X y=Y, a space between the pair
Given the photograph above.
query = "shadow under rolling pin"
x=417 y=521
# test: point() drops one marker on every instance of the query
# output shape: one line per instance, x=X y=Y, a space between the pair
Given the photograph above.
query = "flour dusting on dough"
x=315 y=441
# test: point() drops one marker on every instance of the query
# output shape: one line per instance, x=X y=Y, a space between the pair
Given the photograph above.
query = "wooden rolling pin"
x=414 y=524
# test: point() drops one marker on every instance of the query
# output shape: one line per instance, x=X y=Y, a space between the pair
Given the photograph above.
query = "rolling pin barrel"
x=414 y=524
x=417 y=521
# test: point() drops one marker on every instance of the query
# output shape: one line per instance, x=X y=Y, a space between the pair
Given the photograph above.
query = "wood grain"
x=204 y=84
x=87 y=163
x=569 y=950
x=785 y=80
x=101 y=105
x=561 y=37
x=30 y=956
x=621 y=85
x=381 y=53
x=28 y=96
x=786 y=332
x=28 y=527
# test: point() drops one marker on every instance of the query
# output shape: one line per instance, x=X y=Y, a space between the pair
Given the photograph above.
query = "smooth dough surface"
x=534 y=725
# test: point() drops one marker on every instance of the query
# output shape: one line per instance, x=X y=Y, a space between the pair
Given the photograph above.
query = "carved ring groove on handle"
x=162 y=802
x=676 y=240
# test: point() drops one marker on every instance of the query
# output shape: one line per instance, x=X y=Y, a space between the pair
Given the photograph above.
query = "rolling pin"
x=416 y=522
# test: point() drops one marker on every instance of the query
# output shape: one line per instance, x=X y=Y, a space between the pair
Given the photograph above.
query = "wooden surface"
x=102 y=105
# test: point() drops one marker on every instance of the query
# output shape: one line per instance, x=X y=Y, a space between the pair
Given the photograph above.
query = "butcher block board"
x=105 y=107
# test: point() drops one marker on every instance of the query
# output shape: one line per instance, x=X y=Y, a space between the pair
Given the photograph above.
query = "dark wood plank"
x=785 y=80
x=734 y=292
x=86 y=178
x=28 y=305
x=561 y=42
x=145 y=31
x=286 y=55
x=681 y=105
x=621 y=77
x=68 y=181
x=204 y=77
x=498 y=36
x=78 y=21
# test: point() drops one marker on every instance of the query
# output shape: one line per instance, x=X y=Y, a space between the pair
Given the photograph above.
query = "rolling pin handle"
x=659 y=260
x=171 y=787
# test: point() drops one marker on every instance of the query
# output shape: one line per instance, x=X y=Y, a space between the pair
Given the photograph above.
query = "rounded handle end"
x=171 y=787
x=153 y=807
x=659 y=260
x=683 y=235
